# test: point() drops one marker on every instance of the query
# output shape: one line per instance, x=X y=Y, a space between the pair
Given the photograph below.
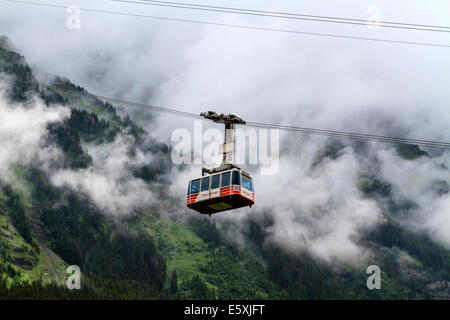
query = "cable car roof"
x=213 y=172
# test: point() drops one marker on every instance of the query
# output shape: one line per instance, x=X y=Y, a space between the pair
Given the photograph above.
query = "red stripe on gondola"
x=191 y=198
x=225 y=190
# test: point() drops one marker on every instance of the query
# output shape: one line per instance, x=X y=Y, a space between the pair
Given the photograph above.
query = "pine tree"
x=174 y=283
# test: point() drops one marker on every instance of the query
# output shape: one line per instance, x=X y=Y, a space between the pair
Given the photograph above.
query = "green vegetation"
x=17 y=213
x=371 y=186
x=68 y=139
x=14 y=65
x=226 y=273
x=410 y=152
x=78 y=98
x=100 y=289
x=147 y=255
x=332 y=151
x=420 y=246
x=21 y=261
x=16 y=254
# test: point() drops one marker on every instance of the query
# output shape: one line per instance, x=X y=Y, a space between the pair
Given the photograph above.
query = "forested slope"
x=144 y=254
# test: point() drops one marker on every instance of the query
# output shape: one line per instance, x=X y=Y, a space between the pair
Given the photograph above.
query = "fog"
x=23 y=132
x=273 y=77
x=110 y=182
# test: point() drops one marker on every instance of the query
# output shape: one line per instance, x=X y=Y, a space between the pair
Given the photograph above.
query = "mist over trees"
x=150 y=250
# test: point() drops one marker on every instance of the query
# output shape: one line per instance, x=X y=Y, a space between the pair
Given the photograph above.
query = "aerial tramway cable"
x=289 y=15
x=305 y=130
x=249 y=27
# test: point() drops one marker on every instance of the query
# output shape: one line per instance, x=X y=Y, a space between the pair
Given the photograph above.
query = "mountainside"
x=71 y=202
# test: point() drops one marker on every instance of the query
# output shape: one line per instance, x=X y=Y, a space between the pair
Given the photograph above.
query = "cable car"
x=226 y=187
x=226 y=190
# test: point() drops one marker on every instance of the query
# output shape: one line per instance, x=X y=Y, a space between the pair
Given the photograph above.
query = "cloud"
x=110 y=182
x=23 y=131
x=315 y=207
x=425 y=182
x=335 y=84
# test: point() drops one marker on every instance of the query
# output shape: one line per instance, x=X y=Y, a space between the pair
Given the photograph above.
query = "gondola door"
x=215 y=186
x=204 y=189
